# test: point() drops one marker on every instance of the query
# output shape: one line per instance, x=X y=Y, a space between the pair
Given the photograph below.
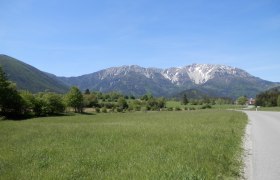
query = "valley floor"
x=202 y=144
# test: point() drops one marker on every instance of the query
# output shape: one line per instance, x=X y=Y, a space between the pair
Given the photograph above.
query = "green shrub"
x=97 y=110
x=137 y=108
x=119 y=109
x=104 y=110
x=170 y=109
x=178 y=109
x=130 y=108
x=206 y=106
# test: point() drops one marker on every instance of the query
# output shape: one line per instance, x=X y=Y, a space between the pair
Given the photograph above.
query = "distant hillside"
x=131 y=80
x=206 y=79
x=29 y=78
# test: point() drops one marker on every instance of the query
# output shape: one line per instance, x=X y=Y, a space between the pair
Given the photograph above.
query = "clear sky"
x=75 y=37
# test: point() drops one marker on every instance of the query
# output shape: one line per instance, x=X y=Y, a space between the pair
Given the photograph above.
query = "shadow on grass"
x=12 y=117
x=76 y=113
x=87 y=113
x=15 y=117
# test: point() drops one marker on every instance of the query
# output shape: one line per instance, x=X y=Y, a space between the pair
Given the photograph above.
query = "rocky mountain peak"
x=196 y=73
x=124 y=70
x=201 y=73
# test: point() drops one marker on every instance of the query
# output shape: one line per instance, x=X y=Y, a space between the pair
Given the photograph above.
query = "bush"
x=54 y=103
x=122 y=104
x=130 y=108
x=28 y=102
x=155 y=108
x=144 y=109
x=119 y=109
x=147 y=108
x=109 y=105
x=170 y=109
x=193 y=102
x=90 y=100
x=178 y=109
x=137 y=108
x=97 y=110
x=206 y=106
x=104 y=110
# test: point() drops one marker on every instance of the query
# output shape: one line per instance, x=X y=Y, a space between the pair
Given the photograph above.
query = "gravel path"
x=263 y=146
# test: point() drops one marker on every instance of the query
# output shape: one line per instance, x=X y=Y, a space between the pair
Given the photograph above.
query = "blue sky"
x=75 y=37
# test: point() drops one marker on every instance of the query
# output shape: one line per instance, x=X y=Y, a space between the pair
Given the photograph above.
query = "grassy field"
x=175 y=104
x=276 y=109
x=154 y=145
x=269 y=109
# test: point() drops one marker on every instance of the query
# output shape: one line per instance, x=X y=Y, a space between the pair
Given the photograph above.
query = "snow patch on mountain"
x=172 y=74
x=198 y=73
x=201 y=73
x=124 y=70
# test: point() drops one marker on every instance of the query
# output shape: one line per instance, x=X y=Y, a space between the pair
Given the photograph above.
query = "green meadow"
x=201 y=144
x=174 y=104
x=268 y=109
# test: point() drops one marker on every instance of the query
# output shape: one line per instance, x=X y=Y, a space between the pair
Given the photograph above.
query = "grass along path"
x=154 y=145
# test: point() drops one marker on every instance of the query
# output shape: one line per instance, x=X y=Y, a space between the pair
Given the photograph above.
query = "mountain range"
x=207 y=79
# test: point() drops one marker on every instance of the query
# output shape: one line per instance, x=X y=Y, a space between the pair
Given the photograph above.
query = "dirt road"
x=263 y=146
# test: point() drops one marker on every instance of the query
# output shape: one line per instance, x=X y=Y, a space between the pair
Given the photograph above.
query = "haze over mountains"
x=208 y=79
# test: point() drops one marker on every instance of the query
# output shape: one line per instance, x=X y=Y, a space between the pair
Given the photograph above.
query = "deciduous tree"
x=10 y=100
x=122 y=104
x=185 y=100
x=74 y=99
x=242 y=100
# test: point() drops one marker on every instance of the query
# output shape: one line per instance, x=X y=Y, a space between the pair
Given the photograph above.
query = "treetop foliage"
x=242 y=100
x=269 y=98
x=74 y=99
x=10 y=100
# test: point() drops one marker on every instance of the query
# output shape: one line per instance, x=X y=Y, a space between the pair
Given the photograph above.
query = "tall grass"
x=154 y=145
x=173 y=104
x=268 y=109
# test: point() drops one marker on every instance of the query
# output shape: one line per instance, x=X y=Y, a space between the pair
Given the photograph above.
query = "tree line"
x=117 y=102
x=270 y=98
x=205 y=100
x=18 y=104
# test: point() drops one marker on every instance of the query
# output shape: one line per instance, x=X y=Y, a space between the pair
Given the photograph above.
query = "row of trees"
x=206 y=100
x=270 y=98
x=114 y=101
x=17 y=104
x=49 y=103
